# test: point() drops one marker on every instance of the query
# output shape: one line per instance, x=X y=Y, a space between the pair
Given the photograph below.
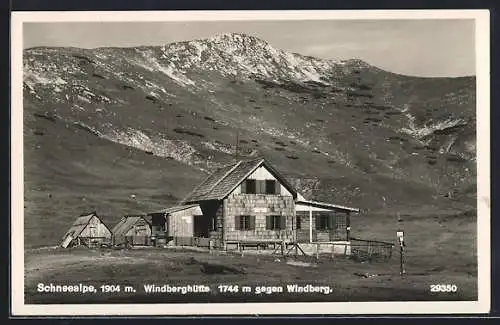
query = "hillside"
x=128 y=130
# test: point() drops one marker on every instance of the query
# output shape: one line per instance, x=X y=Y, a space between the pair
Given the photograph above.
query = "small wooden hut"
x=175 y=225
x=87 y=230
x=132 y=230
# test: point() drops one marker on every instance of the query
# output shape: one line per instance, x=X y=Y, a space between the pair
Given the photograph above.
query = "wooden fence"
x=371 y=250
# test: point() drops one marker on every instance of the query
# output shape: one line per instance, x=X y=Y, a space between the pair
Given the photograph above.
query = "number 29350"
x=443 y=288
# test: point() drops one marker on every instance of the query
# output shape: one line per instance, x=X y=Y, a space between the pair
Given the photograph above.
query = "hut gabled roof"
x=81 y=223
x=224 y=180
x=126 y=223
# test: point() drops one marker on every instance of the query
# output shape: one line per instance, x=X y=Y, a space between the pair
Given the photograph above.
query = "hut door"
x=92 y=235
x=140 y=237
x=201 y=226
x=92 y=231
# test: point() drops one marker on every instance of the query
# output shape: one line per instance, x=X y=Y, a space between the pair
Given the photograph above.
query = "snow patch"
x=130 y=137
x=217 y=146
x=60 y=81
x=151 y=64
x=84 y=99
x=430 y=128
x=177 y=149
x=175 y=75
x=78 y=107
x=34 y=78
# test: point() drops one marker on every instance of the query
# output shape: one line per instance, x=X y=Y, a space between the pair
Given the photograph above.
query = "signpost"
x=400 y=235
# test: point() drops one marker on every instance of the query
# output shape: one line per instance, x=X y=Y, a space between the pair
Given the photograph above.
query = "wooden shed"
x=176 y=225
x=87 y=230
x=132 y=230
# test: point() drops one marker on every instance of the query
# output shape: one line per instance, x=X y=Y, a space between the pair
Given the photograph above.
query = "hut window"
x=275 y=222
x=298 y=222
x=272 y=186
x=325 y=222
x=341 y=222
x=252 y=186
x=249 y=186
x=244 y=222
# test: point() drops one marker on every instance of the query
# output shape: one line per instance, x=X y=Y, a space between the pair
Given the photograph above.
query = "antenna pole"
x=237 y=144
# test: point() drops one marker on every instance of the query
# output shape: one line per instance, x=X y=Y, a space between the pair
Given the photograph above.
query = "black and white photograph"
x=208 y=162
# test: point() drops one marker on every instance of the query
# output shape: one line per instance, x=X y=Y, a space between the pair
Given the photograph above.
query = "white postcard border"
x=482 y=33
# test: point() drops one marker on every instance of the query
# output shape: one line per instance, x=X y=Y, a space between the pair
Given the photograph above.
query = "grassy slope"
x=367 y=157
x=69 y=171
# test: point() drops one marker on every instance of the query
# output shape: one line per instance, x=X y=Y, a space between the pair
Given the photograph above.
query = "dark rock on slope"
x=108 y=122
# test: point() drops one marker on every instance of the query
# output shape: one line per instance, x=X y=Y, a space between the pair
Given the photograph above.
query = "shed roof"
x=175 y=209
x=80 y=223
x=329 y=206
x=126 y=223
x=225 y=179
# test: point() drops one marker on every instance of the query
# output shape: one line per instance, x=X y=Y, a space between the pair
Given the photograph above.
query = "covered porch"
x=320 y=222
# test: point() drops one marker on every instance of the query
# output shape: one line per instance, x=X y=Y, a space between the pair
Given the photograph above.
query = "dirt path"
x=159 y=266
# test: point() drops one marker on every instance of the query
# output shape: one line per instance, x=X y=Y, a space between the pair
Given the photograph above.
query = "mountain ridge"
x=345 y=132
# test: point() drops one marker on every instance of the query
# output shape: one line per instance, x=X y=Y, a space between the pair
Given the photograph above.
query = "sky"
x=429 y=48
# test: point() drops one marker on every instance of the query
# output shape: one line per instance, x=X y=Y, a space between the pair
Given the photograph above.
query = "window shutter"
x=282 y=222
x=318 y=220
x=250 y=186
x=297 y=222
x=269 y=221
x=244 y=187
x=277 y=187
x=252 y=222
x=237 y=222
x=331 y=222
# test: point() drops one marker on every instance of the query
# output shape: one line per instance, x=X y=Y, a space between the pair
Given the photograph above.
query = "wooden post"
x=317 y=252
x=310 y=225
x=402 y=270
x=402 y=266
x=237 y=145
x=282 y=248
x=348 y=226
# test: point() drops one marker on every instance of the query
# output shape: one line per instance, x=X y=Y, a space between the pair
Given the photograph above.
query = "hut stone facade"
x=253 y=217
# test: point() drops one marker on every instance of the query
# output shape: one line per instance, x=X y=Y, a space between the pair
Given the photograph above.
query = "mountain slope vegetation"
x=129 y=130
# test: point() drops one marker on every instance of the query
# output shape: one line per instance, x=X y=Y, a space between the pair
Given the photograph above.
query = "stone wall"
x=260 y=206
